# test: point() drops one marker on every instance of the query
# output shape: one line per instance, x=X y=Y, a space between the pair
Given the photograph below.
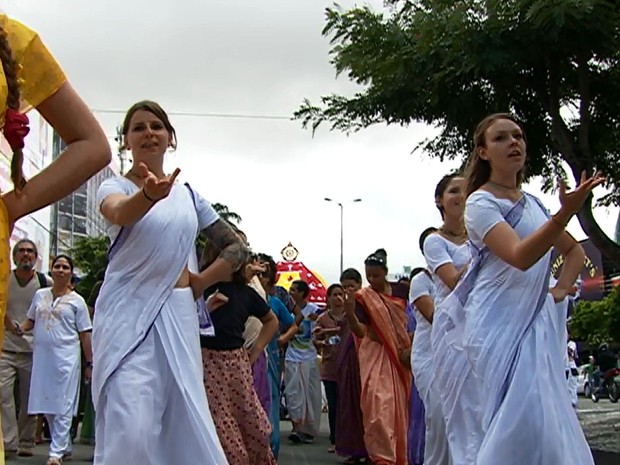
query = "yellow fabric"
x=39 y=78
x=40 y=75
x=5 y=267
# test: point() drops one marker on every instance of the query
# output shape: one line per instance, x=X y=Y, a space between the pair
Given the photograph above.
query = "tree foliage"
x=597 y=322
x=90 y=256
x=448 y=63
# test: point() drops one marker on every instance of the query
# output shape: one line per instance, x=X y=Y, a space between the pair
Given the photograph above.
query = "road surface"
x=601 y=422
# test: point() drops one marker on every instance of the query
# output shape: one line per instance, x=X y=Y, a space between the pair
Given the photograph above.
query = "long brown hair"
x=13 y=100
x=155 y=109
x=478 y=171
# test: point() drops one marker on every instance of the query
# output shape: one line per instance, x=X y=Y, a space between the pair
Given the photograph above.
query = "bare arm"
x=426 y=307
x=450 y=275
x=124 y=210
x=504 y=242
x=26 y=325
x=234 y=255
x=270 y=326
x=357 y=327
x=574 y=257
x=87 y=346
x=288 y=335
x=88 y=151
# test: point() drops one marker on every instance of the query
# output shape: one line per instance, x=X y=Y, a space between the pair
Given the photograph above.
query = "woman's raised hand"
x=572 y=201
x=155 y=188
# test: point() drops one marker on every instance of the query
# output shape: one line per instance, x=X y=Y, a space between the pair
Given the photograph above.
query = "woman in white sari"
x=503 y=311
x=148 y=387
x=447 y=254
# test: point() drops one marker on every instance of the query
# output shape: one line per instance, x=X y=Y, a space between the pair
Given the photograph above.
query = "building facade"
x=77 y=215
x=37 y=155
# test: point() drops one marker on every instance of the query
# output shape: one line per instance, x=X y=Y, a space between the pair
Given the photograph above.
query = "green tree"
x=226 y=215
x=597 y=322
x=448 y=63
x=90 y=256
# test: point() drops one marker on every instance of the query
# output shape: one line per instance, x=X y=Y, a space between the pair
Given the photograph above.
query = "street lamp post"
x=341 y=205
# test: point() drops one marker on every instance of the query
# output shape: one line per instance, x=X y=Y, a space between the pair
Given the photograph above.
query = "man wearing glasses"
x=16 y=360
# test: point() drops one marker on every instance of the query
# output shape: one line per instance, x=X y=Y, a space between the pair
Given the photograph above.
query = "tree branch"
x=584 y=107
x=559 y=130
x=598 y=237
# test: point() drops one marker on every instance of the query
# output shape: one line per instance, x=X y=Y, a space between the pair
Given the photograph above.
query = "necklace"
x=503 y=186
x=59 y=295
x=447 y=232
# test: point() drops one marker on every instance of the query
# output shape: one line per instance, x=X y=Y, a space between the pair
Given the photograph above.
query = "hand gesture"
x=256 y=268
x=572 y=201
x=215 y=301
x=16 y=329
x=155 y=188
x=558 y=294
x=349 y=302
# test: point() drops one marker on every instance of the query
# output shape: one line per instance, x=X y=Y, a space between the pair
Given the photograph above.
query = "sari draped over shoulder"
x=140 y=280
x=385 y=381
x=507 y=323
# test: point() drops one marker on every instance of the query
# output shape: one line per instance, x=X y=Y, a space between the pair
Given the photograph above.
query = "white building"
x=77 y=215
x=37 y=155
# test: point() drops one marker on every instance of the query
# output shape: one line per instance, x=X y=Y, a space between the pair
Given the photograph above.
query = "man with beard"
x=16 y=361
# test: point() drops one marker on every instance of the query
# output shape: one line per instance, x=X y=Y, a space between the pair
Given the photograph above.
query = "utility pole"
x=120 y=148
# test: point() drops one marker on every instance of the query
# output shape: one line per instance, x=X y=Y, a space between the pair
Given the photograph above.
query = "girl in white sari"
x=148 y=387
x=447 y=254
x=503 y=312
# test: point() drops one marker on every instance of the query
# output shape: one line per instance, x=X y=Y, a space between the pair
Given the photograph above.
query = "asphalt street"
x=601 y=423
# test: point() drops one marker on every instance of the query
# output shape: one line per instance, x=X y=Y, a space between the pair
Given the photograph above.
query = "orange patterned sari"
x=386 y=381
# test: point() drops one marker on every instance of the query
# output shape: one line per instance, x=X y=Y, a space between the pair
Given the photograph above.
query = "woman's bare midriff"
x=183 y=279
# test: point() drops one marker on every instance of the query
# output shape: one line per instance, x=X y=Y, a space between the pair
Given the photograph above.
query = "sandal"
x=331 y=449
x=54 y=461
x=352 y=461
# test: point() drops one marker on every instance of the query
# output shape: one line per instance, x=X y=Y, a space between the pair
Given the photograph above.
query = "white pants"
x=303 y=395
x=60 y=431
x=153 y=409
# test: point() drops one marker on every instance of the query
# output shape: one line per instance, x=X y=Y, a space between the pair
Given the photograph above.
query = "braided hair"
x=10 y=67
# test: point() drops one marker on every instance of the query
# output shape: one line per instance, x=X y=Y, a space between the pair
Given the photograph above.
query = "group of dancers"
x=484 y=308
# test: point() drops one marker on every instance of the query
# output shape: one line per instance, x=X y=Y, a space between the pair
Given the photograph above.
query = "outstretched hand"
x=572 y=201
x=154 y=187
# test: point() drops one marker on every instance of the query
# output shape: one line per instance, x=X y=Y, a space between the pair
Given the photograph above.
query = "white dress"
x=512 y=325
x=453 y=375
x=55 y=379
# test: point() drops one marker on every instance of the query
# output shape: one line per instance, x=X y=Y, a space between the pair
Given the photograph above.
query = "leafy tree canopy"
x=448 y=63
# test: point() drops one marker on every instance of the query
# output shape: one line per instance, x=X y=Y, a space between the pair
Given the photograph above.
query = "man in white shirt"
x=16 y=360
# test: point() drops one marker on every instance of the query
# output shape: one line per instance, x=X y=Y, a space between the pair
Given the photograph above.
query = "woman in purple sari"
x=349 y=421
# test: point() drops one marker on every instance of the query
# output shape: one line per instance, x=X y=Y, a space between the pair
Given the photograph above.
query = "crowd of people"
x=189 y=354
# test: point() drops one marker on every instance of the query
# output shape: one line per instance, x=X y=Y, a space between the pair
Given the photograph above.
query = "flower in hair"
x=16 y=128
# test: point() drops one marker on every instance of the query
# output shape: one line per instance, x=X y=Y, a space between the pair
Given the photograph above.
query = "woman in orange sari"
x=31 y=78
x=377 y=315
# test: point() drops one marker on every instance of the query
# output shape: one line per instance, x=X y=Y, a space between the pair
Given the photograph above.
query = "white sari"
x=146 y=348
x=508 y=324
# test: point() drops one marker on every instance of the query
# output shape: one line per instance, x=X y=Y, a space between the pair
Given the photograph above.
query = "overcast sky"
x=254 y=58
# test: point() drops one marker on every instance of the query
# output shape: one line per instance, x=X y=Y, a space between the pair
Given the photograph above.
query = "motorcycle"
x=609 y=386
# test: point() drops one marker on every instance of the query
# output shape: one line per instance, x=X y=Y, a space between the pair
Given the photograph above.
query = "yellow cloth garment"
x=39 y=78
